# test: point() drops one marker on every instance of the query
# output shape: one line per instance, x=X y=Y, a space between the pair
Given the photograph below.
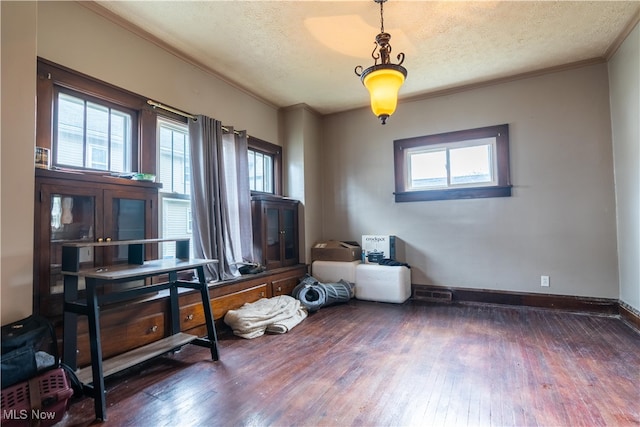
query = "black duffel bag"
x=29 y=347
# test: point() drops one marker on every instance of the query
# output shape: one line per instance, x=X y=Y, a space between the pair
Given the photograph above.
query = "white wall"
x=17 y=158
x=560 y=220
x=624 y=84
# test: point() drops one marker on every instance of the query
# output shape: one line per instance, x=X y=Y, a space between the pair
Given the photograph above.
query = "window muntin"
x=92 y=135
x=462 y=164
x=465 y=164
x=174 y=172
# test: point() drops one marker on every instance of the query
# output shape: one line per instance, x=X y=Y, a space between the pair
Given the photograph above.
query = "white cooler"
x=333 y=271
x=383 y=283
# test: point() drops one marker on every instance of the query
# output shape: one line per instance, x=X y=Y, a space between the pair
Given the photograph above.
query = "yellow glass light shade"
x=383 y=85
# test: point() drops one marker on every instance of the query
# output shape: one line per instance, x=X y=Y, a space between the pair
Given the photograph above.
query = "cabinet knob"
x=108 y=239
x=100 y=239
x=279 y=288
x=154 y=328
x=262 y=294
x=189 y=317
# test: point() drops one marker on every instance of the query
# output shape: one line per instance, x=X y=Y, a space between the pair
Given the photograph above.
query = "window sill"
x=454 y=193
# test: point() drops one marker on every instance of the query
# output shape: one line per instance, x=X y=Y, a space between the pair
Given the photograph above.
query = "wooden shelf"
x=134 y=357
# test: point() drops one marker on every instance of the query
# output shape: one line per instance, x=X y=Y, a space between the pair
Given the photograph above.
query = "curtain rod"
x=181 y=113
x=171 y=109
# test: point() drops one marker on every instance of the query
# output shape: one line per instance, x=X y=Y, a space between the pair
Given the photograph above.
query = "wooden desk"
x=93 y=377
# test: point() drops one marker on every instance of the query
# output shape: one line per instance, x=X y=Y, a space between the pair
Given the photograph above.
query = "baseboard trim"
x=562 y=302
x=630 y=315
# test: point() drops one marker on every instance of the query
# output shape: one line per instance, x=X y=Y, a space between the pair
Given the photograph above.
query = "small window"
x=464 y=164
x=455 y=165
x=264 y=161
x=260 y=171
x=90 y=134
x=174 y=172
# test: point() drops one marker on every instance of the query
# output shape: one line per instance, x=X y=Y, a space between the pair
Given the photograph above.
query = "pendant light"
x=383 y=80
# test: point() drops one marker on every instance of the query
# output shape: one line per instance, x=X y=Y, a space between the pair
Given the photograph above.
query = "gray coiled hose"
x=313 y=295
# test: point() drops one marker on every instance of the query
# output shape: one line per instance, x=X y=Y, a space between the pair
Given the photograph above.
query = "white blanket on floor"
x=277 y=315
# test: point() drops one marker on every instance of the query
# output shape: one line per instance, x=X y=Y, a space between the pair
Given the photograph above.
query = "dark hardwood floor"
x=374 y=364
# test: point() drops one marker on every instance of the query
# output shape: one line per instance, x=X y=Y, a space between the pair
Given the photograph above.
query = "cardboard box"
x=334 y=250
x=377 y=247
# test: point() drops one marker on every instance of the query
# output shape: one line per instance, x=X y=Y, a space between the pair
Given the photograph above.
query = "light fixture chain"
x=381 y=18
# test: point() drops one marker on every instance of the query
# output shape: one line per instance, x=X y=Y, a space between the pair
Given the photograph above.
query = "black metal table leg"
x=173 y=300
x=70 y=324
x=208 y=314
x=93 y=314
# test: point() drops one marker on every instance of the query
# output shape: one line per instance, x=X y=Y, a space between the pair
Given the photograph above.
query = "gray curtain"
x=236 y=163
x=220 y=197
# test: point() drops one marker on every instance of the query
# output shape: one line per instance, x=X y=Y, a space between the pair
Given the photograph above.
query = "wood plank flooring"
x=375 y=364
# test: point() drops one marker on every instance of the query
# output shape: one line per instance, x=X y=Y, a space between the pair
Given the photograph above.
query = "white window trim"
x=447 y=147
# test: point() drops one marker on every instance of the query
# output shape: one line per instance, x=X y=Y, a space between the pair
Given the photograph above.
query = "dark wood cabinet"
x=144 y=321
x=275 y=231
x=79 y=208
x=284 y=285
x=76 y=207
x=233 y=294
x=125 y=328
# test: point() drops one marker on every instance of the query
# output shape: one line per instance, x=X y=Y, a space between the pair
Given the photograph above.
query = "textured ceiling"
x=292 y=52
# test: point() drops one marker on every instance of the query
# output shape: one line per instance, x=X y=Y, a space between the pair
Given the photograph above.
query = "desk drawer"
x=121 y=338
x=191 y=315
x=284 y=286
x=235 y=300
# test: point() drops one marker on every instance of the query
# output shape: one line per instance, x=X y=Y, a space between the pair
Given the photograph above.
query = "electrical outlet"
x=544 y=281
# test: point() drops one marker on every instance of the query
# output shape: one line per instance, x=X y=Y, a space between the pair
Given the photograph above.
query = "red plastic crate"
x=54 y=391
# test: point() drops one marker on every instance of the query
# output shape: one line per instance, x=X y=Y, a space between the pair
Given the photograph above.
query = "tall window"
x=264 y=166
x=175 y=175
x=456 y=165
x=91 y=134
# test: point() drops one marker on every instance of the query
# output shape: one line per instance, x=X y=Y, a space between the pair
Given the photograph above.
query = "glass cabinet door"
x=275 y=231
x=128 y=224
x=72 y=207
x=71 y=218
x=289 y=234
x=128 y=216
x=273 y=255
